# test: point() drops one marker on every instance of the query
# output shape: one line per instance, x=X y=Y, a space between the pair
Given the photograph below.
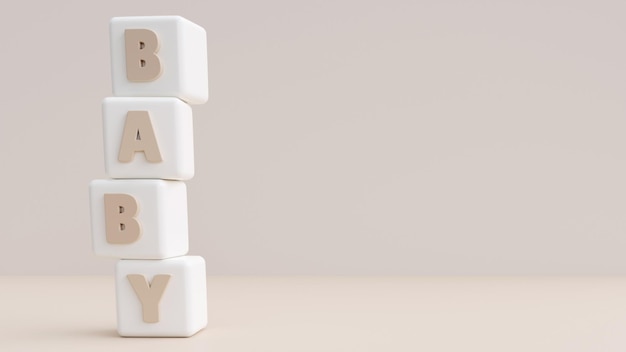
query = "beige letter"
x=138 y=136
x=142 y=63
x=119 y=217
x=149 y=294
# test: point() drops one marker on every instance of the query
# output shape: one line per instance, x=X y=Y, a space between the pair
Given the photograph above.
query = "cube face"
x=179 y=286
x=151 y=221
x=171 y=127
x=182 y=57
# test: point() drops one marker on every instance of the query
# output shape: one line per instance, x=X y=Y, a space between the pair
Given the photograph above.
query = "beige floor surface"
x=503 y=314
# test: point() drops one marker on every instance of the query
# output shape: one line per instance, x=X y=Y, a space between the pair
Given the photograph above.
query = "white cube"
x=139 y=219
x=167 y=125
x=161 y=297
x=162 y=56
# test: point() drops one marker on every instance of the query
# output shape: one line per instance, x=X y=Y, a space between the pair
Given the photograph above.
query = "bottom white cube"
x=161 y=297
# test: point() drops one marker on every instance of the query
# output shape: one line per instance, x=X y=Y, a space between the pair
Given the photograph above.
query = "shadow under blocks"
x=139 y=215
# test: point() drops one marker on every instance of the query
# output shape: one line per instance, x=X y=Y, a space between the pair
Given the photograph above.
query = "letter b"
x=121 y=225
x=142 y=63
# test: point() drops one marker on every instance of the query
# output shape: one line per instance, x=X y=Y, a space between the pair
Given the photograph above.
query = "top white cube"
x=159 y=56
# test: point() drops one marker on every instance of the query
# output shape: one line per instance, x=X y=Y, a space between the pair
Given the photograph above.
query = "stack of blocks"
x=159 y=66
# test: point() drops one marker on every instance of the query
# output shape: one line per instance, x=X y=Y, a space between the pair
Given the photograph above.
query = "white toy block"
x=148 y=138
x=161 y=297
x=159 y=56
x=139 y=219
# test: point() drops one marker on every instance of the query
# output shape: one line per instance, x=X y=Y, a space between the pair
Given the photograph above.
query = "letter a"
x=138 y=136
x=120 y=211
x=142 y=63
x=149 y=294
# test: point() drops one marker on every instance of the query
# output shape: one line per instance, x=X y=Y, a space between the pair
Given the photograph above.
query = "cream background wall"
x=341 y=137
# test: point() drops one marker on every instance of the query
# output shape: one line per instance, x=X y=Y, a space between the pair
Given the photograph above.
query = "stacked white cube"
x=159 y=66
